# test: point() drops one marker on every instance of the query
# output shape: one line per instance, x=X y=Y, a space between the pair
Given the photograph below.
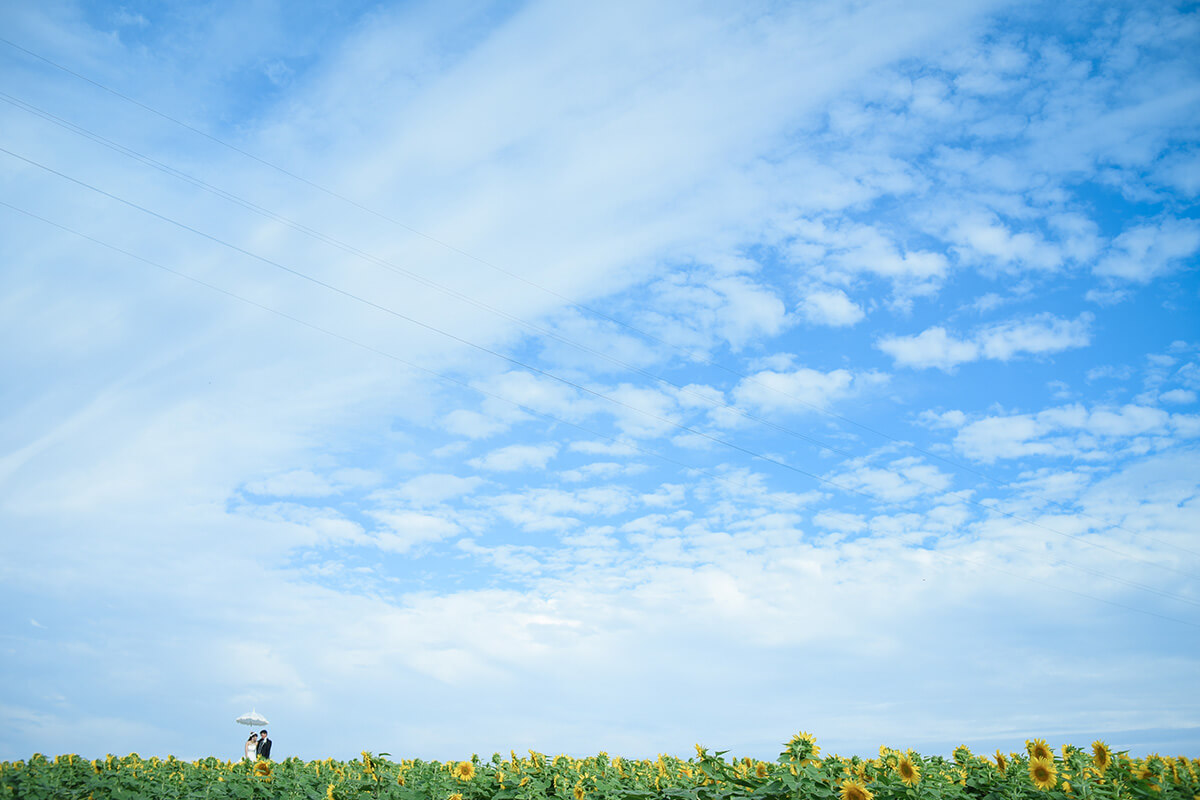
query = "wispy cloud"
x=1041 y=334
x=830 y=307
x=1148 y=251
x=515 y=457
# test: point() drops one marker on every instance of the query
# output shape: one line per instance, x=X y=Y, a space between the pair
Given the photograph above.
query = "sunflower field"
x=1038 y=773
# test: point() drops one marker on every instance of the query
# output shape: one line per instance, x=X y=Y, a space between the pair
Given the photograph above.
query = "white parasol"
x=252 y=718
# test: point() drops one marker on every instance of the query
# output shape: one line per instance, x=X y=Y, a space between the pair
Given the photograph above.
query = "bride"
x=251 y=746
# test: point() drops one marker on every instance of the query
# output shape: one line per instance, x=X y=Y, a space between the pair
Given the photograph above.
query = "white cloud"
x=1181 y=171
x=554 y=509
x=669 y=495
x=945 y=419
x=305 y=525
x=750 y=311
x=1079 y=236
x=1146 y=252
x=601 y=470
x=294 y=483
x=504 y=396
x=431 y=489
x=1073 y=431
x=538 y=392
x=516 y=457
x=701 y=310
x=837 y=252
x=1178 y=397
x=450 y=450
x=984 y=238
x=407 y=529
x=696 y=395
x=604 y=448
x=1189 y=375
x=1108 y=296
x=508 y=558
x=902 y=479
x=124 y=17
x=1043 y=333
x=472 y=424
x=987 y=302
x=935 y=347
x=1109 y=372
x=831 y=307
x=799 y=389
x=840 y=522
x=589 y=335
x=641 y=412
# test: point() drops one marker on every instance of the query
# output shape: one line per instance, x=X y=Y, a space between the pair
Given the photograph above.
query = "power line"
x=694 y=355
x=129 y=152
x=705 y=398
x=948 y=556
x=551 y=417
x=577 y=386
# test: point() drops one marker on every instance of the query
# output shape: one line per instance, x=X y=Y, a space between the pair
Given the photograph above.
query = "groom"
x=263 y=750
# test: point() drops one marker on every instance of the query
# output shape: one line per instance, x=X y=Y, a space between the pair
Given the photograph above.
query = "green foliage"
x=799 y=772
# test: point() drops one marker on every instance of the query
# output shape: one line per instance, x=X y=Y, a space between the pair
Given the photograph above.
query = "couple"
x=258 y=746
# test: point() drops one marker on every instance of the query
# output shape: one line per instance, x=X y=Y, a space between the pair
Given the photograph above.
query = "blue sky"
x=439 y=379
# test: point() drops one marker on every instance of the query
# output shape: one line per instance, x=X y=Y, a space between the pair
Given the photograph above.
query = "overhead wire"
x=412 y=320
x=429 y=283
x=573 y=384
x=706 y=398
x=550 y=417
x=694 y=355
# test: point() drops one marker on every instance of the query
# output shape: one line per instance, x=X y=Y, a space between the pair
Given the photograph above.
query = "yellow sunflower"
x=455 y=796
x=262 y=769
x=853 y=789
x=1101 y=756
x=329 y=792
x=1001 y=762
x=760 y=770
x=1042 y=773
x=465 y=771
x=804 y=745
x=1040 y=750
x=962 y=754
x=909 y=772
x=578 y=792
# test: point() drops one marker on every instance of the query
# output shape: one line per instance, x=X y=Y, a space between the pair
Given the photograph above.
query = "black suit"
x=264 y=748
